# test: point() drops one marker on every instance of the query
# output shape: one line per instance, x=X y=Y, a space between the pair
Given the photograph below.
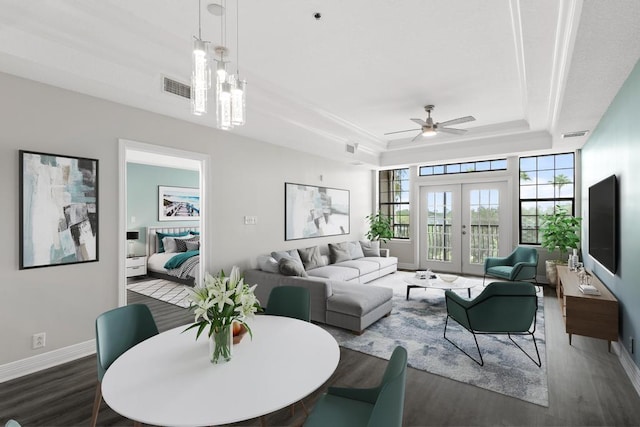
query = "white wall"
x=247 y=178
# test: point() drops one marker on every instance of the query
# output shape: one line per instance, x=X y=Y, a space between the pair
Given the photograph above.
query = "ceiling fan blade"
x=416 y=137
x=419 y=121
x=400 y=131
x=452 y=130
x=457 y=121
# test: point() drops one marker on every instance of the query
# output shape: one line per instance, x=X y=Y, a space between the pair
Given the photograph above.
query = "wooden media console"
x=588 y=315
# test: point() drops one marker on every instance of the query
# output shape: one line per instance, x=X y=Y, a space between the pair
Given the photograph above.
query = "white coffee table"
x=169 y=380
x=460 y=283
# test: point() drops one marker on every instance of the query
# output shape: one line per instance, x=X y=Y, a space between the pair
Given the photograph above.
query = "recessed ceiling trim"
x=518 y=42
x=567 y=29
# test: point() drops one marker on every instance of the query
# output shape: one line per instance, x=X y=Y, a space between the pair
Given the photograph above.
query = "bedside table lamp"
x=131 y=237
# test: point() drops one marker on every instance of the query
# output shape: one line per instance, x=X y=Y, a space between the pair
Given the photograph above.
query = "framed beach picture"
x=312 y=211
x=178 y=203
x=58 y=209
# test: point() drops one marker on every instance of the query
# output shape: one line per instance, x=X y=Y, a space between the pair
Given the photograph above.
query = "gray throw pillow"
x=293 y=254
x=268 y=263
x=311 y=257
x=289 y=267
x=356 y=250
x=339 y=252
x=181 y=244
x=193 y=246
x=370 y=248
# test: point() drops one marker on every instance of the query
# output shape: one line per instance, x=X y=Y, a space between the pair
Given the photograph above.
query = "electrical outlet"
x=250 y=220
x=38 y=340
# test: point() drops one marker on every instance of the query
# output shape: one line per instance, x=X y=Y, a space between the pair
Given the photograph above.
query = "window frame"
x=387 y=204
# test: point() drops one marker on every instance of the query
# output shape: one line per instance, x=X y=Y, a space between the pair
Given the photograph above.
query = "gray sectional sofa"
x=336 y=277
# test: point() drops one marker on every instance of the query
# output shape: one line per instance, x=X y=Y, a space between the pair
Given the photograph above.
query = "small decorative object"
x=449 y=278
x=217 y=304
x=559 y=230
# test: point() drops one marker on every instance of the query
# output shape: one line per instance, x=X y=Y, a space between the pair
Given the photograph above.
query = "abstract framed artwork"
x=178 y=203
x=58 y=210
x=312 y=211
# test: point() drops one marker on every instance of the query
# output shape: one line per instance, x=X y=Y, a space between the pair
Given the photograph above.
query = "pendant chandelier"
x=230 y=89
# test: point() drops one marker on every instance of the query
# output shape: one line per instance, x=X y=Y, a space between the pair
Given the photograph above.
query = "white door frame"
x=125 y=145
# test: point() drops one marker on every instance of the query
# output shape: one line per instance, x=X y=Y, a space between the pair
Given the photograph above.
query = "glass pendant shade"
x=200 y=78
x=224 y=107
x=221 y=72
x=238 y=106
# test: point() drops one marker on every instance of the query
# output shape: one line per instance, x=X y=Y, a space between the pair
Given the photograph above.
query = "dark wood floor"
x=587 y=386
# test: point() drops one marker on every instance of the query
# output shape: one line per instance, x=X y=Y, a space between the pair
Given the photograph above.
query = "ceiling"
x=527 y=71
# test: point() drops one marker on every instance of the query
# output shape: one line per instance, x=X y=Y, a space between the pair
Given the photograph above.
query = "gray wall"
x=246 y=178
x=142 y=197
x=614 y=148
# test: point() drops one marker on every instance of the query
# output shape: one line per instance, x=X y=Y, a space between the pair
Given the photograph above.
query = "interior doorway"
x=138 y=152
x=462 y=224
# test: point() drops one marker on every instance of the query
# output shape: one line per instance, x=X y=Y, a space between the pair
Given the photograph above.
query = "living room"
x=246 y=177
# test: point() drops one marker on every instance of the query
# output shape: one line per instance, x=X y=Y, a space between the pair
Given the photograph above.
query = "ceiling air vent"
x=575 y=134
x=351 y=148
x=176 y=88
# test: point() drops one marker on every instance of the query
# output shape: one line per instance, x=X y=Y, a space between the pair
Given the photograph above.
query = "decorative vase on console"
x=217 y=304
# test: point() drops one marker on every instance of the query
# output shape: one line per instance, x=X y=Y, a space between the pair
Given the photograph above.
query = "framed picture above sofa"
x=312 y=211
x=58 y=210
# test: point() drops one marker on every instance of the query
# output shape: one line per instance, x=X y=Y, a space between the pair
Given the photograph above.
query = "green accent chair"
x=117 y=331
x=501 y=308
x=294 y=302
x=289 y=301
x=521 y=264
x=381 y=406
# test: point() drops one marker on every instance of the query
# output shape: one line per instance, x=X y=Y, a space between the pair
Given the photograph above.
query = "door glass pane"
x=484 y=224
x=439 y=209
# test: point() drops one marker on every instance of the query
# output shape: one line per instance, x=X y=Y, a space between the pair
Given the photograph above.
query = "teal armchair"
x=501 y=308
x=117 y=331
x=381 y=406
x=521 y=264
x=289 y=301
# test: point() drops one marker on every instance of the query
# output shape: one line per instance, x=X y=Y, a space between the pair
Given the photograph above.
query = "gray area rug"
x=418 y=325
x=164 y=290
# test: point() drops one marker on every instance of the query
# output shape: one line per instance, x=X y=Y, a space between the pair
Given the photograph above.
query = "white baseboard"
x=629 y=366
x=22 y=367
x=406 y=266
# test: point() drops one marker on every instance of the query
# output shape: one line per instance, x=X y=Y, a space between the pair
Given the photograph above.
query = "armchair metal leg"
x=96 y=405
x=481 y=362
x=539 y=362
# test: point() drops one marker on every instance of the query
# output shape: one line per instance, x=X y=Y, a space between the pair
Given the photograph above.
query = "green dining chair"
x=521 y=264
x=501 y=308
x=289 y=301
x=117 y=331
x=294 y=302
x=380 y=406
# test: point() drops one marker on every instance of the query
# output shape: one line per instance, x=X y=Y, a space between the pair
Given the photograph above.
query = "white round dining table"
x=168 y=379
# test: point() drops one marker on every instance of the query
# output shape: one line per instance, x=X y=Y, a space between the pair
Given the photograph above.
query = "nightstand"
x=136 y=266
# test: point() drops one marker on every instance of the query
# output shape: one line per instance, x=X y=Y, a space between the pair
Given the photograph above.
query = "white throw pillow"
x=268 y=263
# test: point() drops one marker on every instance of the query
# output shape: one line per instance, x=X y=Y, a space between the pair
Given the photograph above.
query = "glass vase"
x=221 y=344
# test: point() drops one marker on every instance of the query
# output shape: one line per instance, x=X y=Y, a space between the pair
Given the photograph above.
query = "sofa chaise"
x=335 y=275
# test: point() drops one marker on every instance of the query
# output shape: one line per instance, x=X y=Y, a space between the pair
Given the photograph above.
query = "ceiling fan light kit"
x=429 y=129
x=230 y=95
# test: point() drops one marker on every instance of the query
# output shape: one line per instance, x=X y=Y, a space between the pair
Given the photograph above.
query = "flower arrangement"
x=218 y=303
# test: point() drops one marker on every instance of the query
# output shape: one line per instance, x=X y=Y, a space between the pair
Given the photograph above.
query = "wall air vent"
x=351 y=148
x=575 y=134
x=176 y=87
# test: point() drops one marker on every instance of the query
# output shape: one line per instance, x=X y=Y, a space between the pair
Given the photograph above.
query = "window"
x=394 y=200
x=454 y=168
x=545 y=182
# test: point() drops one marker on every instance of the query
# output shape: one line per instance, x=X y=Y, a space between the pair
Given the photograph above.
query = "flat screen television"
x=603 y=222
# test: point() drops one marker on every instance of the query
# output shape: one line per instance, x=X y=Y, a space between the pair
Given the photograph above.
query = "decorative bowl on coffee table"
x=449 y=278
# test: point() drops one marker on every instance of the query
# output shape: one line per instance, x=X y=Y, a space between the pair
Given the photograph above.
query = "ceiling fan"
x=428 y=128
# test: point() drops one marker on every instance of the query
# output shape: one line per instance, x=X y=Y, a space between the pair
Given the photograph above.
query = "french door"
x=462 y=224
